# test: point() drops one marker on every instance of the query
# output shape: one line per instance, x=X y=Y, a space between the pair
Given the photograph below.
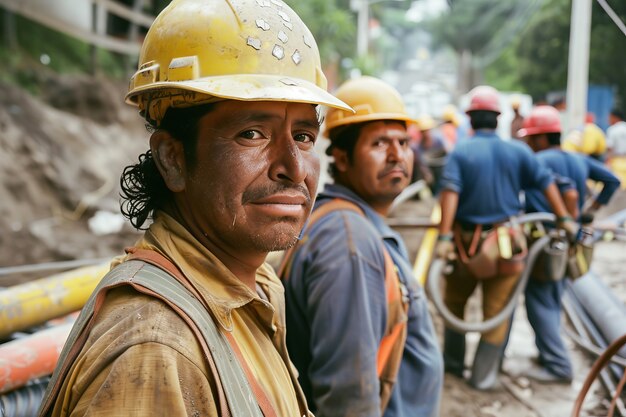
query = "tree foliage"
x=543 y=49
x=332 y=25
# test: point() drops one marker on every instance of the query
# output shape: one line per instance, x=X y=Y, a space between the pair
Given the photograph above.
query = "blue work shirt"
x=336 y=307
x=578 y=168
x=488 y=174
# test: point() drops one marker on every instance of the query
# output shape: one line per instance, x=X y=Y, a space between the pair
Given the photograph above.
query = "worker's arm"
x=347 y=314
x=600 y=173
x=449 y=201
x=570 y=198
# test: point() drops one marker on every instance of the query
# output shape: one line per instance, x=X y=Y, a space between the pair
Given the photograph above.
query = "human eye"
x=379 y=143
x=404 y=142
x=251 y=134
x=304 y=138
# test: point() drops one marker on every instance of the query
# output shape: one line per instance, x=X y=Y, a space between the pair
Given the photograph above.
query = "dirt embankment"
x=60 y=161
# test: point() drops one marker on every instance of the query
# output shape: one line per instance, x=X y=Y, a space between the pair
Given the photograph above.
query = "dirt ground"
x=61 y=158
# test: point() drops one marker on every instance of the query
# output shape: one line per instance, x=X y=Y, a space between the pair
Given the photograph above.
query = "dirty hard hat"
x=371 y=98
x=484 y=98
x=542 y=119
x=199 y=51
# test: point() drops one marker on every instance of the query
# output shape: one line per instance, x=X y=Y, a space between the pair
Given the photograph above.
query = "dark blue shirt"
x=489 y=173
x=578 y=168
x=337 y=314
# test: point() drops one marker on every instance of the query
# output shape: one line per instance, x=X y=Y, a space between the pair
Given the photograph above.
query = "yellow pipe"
x=27 y=305
x=425 y=253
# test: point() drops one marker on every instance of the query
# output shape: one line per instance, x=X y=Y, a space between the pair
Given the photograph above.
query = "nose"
x=287 y=161
x=395 y=151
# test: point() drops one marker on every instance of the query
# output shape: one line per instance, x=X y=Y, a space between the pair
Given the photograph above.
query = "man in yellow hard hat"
x=191 y=321
x=358 y=326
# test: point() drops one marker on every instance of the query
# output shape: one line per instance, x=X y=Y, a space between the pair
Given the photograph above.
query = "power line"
x=613 y=15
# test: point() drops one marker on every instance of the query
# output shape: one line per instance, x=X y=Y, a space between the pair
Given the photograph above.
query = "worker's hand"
x=588 y=216
x=445 y=248
x=569 y=226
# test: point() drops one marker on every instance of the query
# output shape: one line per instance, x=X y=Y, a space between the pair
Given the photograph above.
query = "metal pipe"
x=27 y=305
x=50 y=266
x=604 y=309
x=31 y=357
x=590 y=328
x=580 y=328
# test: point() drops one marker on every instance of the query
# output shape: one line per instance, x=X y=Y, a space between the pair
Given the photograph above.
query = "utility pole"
x=578 y=64
x=363 y=18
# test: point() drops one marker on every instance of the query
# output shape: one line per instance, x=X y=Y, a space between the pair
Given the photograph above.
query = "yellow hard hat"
x=198 y=51
x=425 y=122
x=371 y=98
x=449 y=114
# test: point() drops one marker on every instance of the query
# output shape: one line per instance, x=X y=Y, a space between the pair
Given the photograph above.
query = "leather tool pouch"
x=501 y=251
x=579 y=260
x=551 y=262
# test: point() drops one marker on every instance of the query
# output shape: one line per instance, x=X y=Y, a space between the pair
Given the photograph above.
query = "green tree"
x=543 y=49
x=333 y=26
x=480 y=32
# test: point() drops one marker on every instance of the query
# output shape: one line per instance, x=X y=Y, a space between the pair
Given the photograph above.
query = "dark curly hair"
x=143 y=190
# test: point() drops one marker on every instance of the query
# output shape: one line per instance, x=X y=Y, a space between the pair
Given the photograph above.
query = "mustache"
x=258 y=193
x=391 y=167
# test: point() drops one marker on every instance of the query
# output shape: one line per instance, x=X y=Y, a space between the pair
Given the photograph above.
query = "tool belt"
x=498 y=251
x=551 y=263
x=581 y=254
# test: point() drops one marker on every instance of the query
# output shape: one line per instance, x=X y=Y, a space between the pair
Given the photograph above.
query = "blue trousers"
x=543 y=307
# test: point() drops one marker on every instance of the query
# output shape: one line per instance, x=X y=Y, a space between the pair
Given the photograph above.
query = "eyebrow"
x=260 y=116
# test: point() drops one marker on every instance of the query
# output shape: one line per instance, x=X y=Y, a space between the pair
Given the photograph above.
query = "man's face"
x=254 y=180
x=382 y=163
x=537 y=142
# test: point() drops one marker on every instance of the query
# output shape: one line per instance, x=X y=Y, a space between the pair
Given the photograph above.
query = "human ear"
x=341 y=159
x=169 y=157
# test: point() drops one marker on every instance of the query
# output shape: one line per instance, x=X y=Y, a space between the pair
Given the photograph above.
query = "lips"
x=281 y=205
x=283 y=199
x=395 y=171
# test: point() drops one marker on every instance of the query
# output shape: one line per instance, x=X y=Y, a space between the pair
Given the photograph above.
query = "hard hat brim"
x=369 y=118
x=247 y=87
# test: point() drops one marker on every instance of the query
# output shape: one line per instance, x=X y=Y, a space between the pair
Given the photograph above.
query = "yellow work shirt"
x=142 y=359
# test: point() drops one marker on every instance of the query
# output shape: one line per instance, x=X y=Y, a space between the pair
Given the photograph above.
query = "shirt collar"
x=339 y=191
x=221 y=290
x=486 y=134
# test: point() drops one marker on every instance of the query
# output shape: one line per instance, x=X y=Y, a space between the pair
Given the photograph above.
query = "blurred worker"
x=542 y=131
x=480 y=191
x=420 y=170
x=190 y=321
x=449 y=127
x=359 y=330
x=616 y=134
x=590 y=141
x=518 y=119
x=432 y=150
x=616 y=144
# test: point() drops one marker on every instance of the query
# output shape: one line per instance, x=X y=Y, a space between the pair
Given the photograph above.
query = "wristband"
x=445 y=237
x=562 y=219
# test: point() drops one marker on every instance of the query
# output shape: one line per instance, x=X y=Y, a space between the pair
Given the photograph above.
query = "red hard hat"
x=484 y=98
x=542 y=119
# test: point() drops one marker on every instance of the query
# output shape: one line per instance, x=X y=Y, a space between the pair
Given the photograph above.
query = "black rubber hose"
x=454 y=322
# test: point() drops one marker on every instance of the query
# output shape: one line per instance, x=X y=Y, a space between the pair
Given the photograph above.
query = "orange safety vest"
x=392 y=344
